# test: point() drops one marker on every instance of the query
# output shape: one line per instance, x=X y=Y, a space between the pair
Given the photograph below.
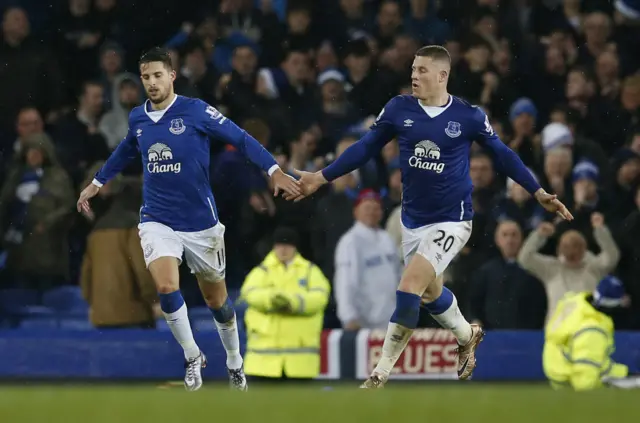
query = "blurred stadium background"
x=306 y=78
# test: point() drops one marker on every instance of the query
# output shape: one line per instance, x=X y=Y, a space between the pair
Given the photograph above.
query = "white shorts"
x=204 y=250
x=439 y=243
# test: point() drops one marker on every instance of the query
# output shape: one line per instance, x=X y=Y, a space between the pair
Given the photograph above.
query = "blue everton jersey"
x=434 y=155
x=175 y=150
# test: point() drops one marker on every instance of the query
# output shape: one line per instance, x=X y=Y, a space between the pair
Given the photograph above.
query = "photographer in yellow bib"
x=579 y=338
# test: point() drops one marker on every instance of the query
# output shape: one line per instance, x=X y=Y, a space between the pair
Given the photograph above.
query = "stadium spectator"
x=333 y=217
x=587 y=199
x=29 y=122
x=523 y=115
x=36 y=201
x=549 y=74
x=516 y=205
x=502 y=294
x=626 y=169
x=237 y=89
x=367 y=268
x=127 y=94
x=30 y=74
x=575 y=269
x=111 y=63
x=77 y=137
x=286 y=297
x=628 y=239
x=114 y=279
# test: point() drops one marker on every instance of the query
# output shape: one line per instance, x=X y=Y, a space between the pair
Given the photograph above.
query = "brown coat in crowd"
x=44 y=249
x=115 y=281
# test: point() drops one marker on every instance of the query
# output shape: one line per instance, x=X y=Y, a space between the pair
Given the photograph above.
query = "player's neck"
x=165 y=103
x=437 y=100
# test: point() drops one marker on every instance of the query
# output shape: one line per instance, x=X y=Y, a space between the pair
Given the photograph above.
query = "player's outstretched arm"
x=511 y=164
x=213 y=123
x=124 y=153
x=357 y=155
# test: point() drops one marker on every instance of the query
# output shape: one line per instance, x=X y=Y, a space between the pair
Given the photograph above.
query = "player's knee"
x=212 y=276
x=418 y=276
x=167 y=286
x=165 y=283
x=433 y=291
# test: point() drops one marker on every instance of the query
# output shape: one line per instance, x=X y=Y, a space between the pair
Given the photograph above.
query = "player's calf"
x=224 y=317
x=165 y=275
x=404 y=320
x=443 y=307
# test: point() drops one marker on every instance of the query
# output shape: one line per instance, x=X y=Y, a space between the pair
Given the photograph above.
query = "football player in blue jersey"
x=435 y=131
x=178 y=217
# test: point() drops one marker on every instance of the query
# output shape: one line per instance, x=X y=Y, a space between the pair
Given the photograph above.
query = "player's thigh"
x=162 y=250
x=205 y=253
x=410 y=242
x=441 y=242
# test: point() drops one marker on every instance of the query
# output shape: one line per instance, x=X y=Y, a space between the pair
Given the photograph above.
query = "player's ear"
x=172 y=75
x=443 y=75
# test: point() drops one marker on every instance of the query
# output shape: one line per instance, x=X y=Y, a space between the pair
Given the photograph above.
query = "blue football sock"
x=407 y=310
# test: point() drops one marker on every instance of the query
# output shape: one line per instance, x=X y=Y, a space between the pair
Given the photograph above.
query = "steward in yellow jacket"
x=579 y=339
x=286 y=297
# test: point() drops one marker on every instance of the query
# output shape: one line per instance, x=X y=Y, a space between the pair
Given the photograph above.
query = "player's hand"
x=546 y=229
x=83 y=202
x=551 y=204
x=597 y=220
x=310 y=183
x=285 y=183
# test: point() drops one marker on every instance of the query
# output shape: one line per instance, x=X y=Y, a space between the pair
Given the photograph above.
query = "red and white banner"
x=330 y=354
x=430 y=354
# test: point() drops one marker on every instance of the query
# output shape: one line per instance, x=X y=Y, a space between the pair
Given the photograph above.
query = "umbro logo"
x=408 y=123
x=138 y=132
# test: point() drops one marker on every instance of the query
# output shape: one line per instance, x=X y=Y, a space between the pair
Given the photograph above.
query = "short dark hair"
x=358 y=48
x=435 y=52
x=86 y=84
x=157 y=54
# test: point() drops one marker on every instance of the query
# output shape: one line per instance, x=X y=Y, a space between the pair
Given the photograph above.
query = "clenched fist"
x=597 y=220
x=546 y=229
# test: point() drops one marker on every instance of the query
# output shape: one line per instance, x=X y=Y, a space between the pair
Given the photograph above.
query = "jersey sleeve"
x=213 y=123
x=381 y=132
x=124 y=153
x=506 y=159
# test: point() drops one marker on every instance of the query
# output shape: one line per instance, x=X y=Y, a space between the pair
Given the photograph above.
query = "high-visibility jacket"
x=578 y=345
x=284 y=343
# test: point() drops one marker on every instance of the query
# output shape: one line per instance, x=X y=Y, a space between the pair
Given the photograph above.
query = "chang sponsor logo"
x=426 y=156
x=161 y=160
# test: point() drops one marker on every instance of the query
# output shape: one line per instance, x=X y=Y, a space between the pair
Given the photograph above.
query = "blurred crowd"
x=559 y=79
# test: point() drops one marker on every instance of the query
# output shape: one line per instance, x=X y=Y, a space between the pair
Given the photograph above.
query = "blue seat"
x=13 y=300
x=161 y=324
x=200 y=313
x=75 y=323
x=36 y=311
x=203 y=325
x=64 y=298
x=38 y=322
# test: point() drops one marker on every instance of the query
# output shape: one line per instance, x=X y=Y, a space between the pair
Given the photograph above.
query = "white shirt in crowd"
x=367 y=274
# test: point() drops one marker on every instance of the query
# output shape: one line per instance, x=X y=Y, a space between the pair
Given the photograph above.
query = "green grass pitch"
x=326 y=403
